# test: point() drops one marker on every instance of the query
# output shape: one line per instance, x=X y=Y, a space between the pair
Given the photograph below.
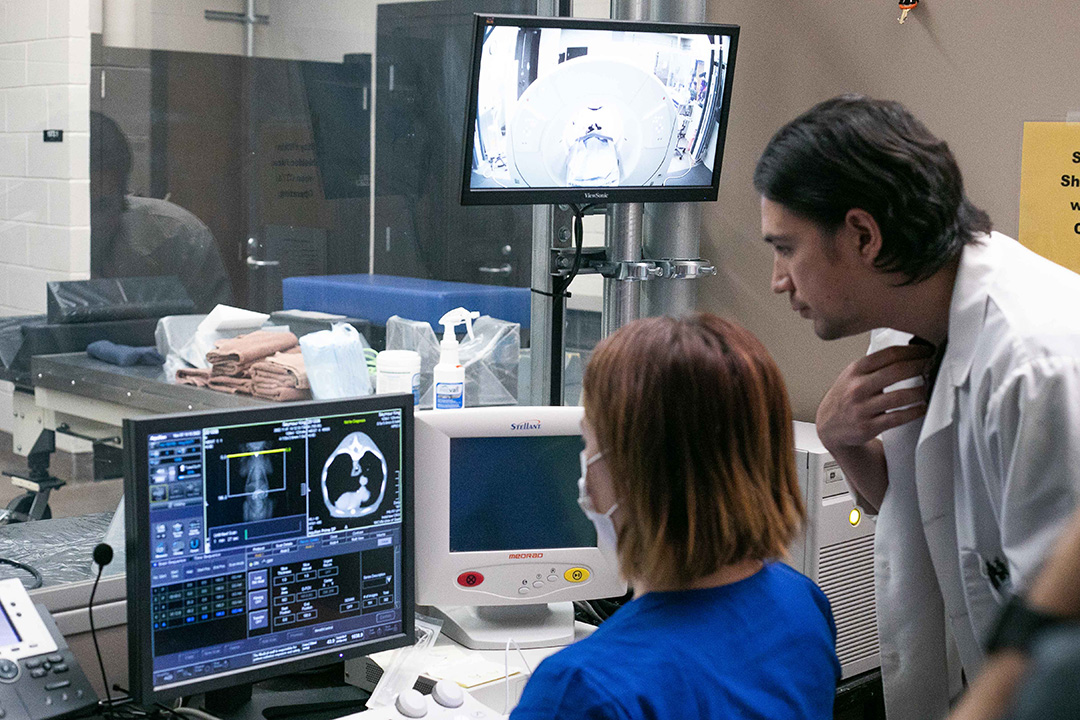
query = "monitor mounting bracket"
x=595 y=261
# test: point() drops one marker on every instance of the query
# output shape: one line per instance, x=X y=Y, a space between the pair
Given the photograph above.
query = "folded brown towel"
x=233 y=356
x=199 y=377
x=283 y=368
x=281 y=394
x=233 y=385
x=231 y=369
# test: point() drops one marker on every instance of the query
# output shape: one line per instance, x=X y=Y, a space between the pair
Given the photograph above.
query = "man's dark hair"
x=109 y=148
x=856 y=152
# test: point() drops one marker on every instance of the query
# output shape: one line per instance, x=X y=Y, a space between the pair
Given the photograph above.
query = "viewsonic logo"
x=596 y=196
x=527 y=425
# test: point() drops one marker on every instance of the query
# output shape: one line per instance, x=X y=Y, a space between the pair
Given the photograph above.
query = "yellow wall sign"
x=1050 y=191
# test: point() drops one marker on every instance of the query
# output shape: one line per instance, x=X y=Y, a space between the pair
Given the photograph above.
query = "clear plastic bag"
x=59 y=548
x=176 y=341
x=406 y=664
x=490 y=358
x=335 y=362
x=184 y=340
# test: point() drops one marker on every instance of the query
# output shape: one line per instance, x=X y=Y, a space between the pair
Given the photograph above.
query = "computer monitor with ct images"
x=567 y=110
x=265 y=541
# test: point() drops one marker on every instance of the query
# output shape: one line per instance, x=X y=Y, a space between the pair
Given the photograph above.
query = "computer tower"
x=836 y=551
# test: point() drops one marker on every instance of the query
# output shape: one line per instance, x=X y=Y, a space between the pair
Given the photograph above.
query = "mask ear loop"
x=587 y=462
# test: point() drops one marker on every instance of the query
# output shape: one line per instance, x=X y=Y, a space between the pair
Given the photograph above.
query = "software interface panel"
x=273 y=540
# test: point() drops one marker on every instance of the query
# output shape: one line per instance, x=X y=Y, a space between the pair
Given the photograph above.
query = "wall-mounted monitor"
x=565 y=110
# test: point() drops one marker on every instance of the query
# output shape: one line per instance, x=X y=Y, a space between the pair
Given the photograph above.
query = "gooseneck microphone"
x=103 y=555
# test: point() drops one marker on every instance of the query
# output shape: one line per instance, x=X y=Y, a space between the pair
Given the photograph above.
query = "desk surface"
x=141 y=387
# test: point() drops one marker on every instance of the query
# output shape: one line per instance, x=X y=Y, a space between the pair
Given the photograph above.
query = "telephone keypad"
x=54 y=689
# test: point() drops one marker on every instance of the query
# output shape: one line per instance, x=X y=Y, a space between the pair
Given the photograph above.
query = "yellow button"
x=576 y=575
x=854 y=516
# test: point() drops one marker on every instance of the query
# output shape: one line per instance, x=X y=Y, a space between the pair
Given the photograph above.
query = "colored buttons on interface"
x=576 y=574
x=470 y=579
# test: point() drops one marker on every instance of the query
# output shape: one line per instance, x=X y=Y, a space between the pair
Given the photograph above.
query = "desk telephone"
x=39 y=678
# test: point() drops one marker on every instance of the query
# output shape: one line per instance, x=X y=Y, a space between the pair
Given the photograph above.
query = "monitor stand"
x=326 y=696
x=489 y=627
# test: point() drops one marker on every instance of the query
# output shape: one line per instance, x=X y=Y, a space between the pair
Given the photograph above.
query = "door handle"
x=500 y=270
x=253 y=245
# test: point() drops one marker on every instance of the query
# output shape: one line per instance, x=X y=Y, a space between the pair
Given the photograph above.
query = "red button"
x=470 y=579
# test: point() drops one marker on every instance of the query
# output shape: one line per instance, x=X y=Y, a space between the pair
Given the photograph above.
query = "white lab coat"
x=985 y=480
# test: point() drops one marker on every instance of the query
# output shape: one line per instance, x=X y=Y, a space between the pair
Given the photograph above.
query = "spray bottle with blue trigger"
x=449 y=375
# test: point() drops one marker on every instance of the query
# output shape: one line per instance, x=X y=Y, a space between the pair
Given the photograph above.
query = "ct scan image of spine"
x=256 y=469
x=354 y=477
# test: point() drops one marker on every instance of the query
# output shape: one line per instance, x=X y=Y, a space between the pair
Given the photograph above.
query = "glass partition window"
x=233 y=150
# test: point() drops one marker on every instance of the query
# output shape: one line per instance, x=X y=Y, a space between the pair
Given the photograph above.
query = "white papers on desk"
x=449 y=662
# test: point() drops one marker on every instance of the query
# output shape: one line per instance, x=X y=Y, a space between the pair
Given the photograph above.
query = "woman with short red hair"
x=689 y=475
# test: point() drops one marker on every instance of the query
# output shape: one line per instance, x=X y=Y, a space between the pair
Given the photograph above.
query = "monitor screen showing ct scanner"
x=590 y=111
x=267 y=540
x=544 y=514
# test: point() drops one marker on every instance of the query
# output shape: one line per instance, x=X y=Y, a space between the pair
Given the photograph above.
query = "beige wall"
x=973 y=72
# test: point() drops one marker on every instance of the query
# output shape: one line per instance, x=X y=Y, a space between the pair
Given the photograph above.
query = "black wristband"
x=1019 y=625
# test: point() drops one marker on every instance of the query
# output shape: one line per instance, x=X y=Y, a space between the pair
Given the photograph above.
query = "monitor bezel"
x=581 y=196
x=137 y=517
x=437 y=568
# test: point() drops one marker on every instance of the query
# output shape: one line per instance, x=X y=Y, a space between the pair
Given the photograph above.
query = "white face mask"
x=606 y=538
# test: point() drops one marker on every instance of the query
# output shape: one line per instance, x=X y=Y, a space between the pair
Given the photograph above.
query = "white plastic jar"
x=398 y=371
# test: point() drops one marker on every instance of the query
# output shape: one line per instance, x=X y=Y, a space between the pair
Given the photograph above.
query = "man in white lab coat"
x=961 y=427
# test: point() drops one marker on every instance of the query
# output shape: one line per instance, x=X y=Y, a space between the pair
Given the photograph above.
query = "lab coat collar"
x=967 y=311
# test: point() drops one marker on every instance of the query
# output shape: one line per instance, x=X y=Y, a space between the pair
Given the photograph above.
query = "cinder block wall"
x=44 y=187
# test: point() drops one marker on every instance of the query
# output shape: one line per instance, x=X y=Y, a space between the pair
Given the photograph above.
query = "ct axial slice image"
x=354 y=477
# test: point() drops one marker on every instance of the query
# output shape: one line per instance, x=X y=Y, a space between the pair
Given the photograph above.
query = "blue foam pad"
x=377 y=297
